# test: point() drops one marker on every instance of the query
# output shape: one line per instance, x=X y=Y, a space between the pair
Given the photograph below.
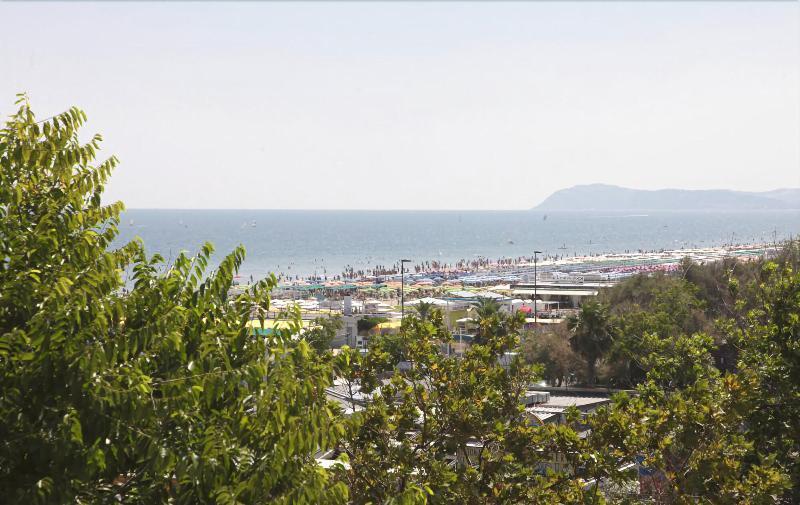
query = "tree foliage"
x=768 y=336
x=323 y=332
x=691 y=437
x=592 y=335
x=424 y=309
x=442 y=429
x=147 y=387
x=712 y=436
x=492 y=321
x=647 y=312
x=551 y=349
x=367 y=323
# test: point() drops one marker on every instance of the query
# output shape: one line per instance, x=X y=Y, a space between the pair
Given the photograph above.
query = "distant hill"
x=607 y=197
x=791 y=196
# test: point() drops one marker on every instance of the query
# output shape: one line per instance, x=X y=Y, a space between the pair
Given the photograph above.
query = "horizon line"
x=532 y=209
x=331 y=209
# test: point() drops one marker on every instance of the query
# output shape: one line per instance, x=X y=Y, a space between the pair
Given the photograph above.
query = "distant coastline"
x=605 y=197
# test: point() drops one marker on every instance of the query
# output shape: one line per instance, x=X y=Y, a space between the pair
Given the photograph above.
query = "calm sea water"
x=305 y=242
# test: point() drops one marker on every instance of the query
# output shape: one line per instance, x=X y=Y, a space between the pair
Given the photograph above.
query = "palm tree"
x=485 y=308
x=424 y=310
x=491 y=321
x=592 y=334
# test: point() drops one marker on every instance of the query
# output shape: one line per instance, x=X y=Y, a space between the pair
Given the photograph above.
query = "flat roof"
x=578 y=401
x=564 y=292
x=547 y=410
x=543 y=320
x=567 y=285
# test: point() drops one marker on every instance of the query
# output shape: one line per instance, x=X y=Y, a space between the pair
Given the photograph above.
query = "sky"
x=403 y=105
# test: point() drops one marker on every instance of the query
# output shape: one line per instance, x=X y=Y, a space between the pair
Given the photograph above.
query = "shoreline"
x=434 y=274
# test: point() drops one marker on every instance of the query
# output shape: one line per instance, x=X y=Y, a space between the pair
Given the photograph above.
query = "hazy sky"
x=406 y=105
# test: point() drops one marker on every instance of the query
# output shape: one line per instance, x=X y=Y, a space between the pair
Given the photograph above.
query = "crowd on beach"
x=482 y=264
x=463 y=267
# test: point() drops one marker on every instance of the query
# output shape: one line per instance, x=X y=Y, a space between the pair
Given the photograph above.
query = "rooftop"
x=556 y=290
x=577 y=401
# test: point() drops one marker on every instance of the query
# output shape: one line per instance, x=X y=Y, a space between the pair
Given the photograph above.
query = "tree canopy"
x=123 y=376
x=591 y=334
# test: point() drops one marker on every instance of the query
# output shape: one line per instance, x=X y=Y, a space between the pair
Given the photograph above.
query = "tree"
x=424 y=309
x=591 y=335
x=149 y=388
x=768 y=337
x=451 y=430
x=493 y=322
x=689 y=435
x=711 y=436
x=665 y=305
x=367 y=323
x=485 y=308
x=642 y=307
x=322 y=333
x=552 y=350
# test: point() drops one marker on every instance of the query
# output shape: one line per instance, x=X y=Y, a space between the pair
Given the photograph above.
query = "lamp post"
x=403 y=289
x=535 y=285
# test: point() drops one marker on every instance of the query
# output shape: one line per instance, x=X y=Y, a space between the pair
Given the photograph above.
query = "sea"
x=323 y=243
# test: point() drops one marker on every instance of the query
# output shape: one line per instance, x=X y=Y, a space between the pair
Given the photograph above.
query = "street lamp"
x=403 y=288
x=535 y=285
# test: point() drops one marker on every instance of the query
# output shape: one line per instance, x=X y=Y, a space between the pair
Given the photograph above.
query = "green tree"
x=690 y=433
x=592 y=335
x=768 y=338
x=486 y=308
x=493 y=322
x=551 y=350
x=323 y=332
x=452 y=430
x=711 y=436
x=424 y=309
x=642 y=307
x=367 y=323
x=148 y=388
